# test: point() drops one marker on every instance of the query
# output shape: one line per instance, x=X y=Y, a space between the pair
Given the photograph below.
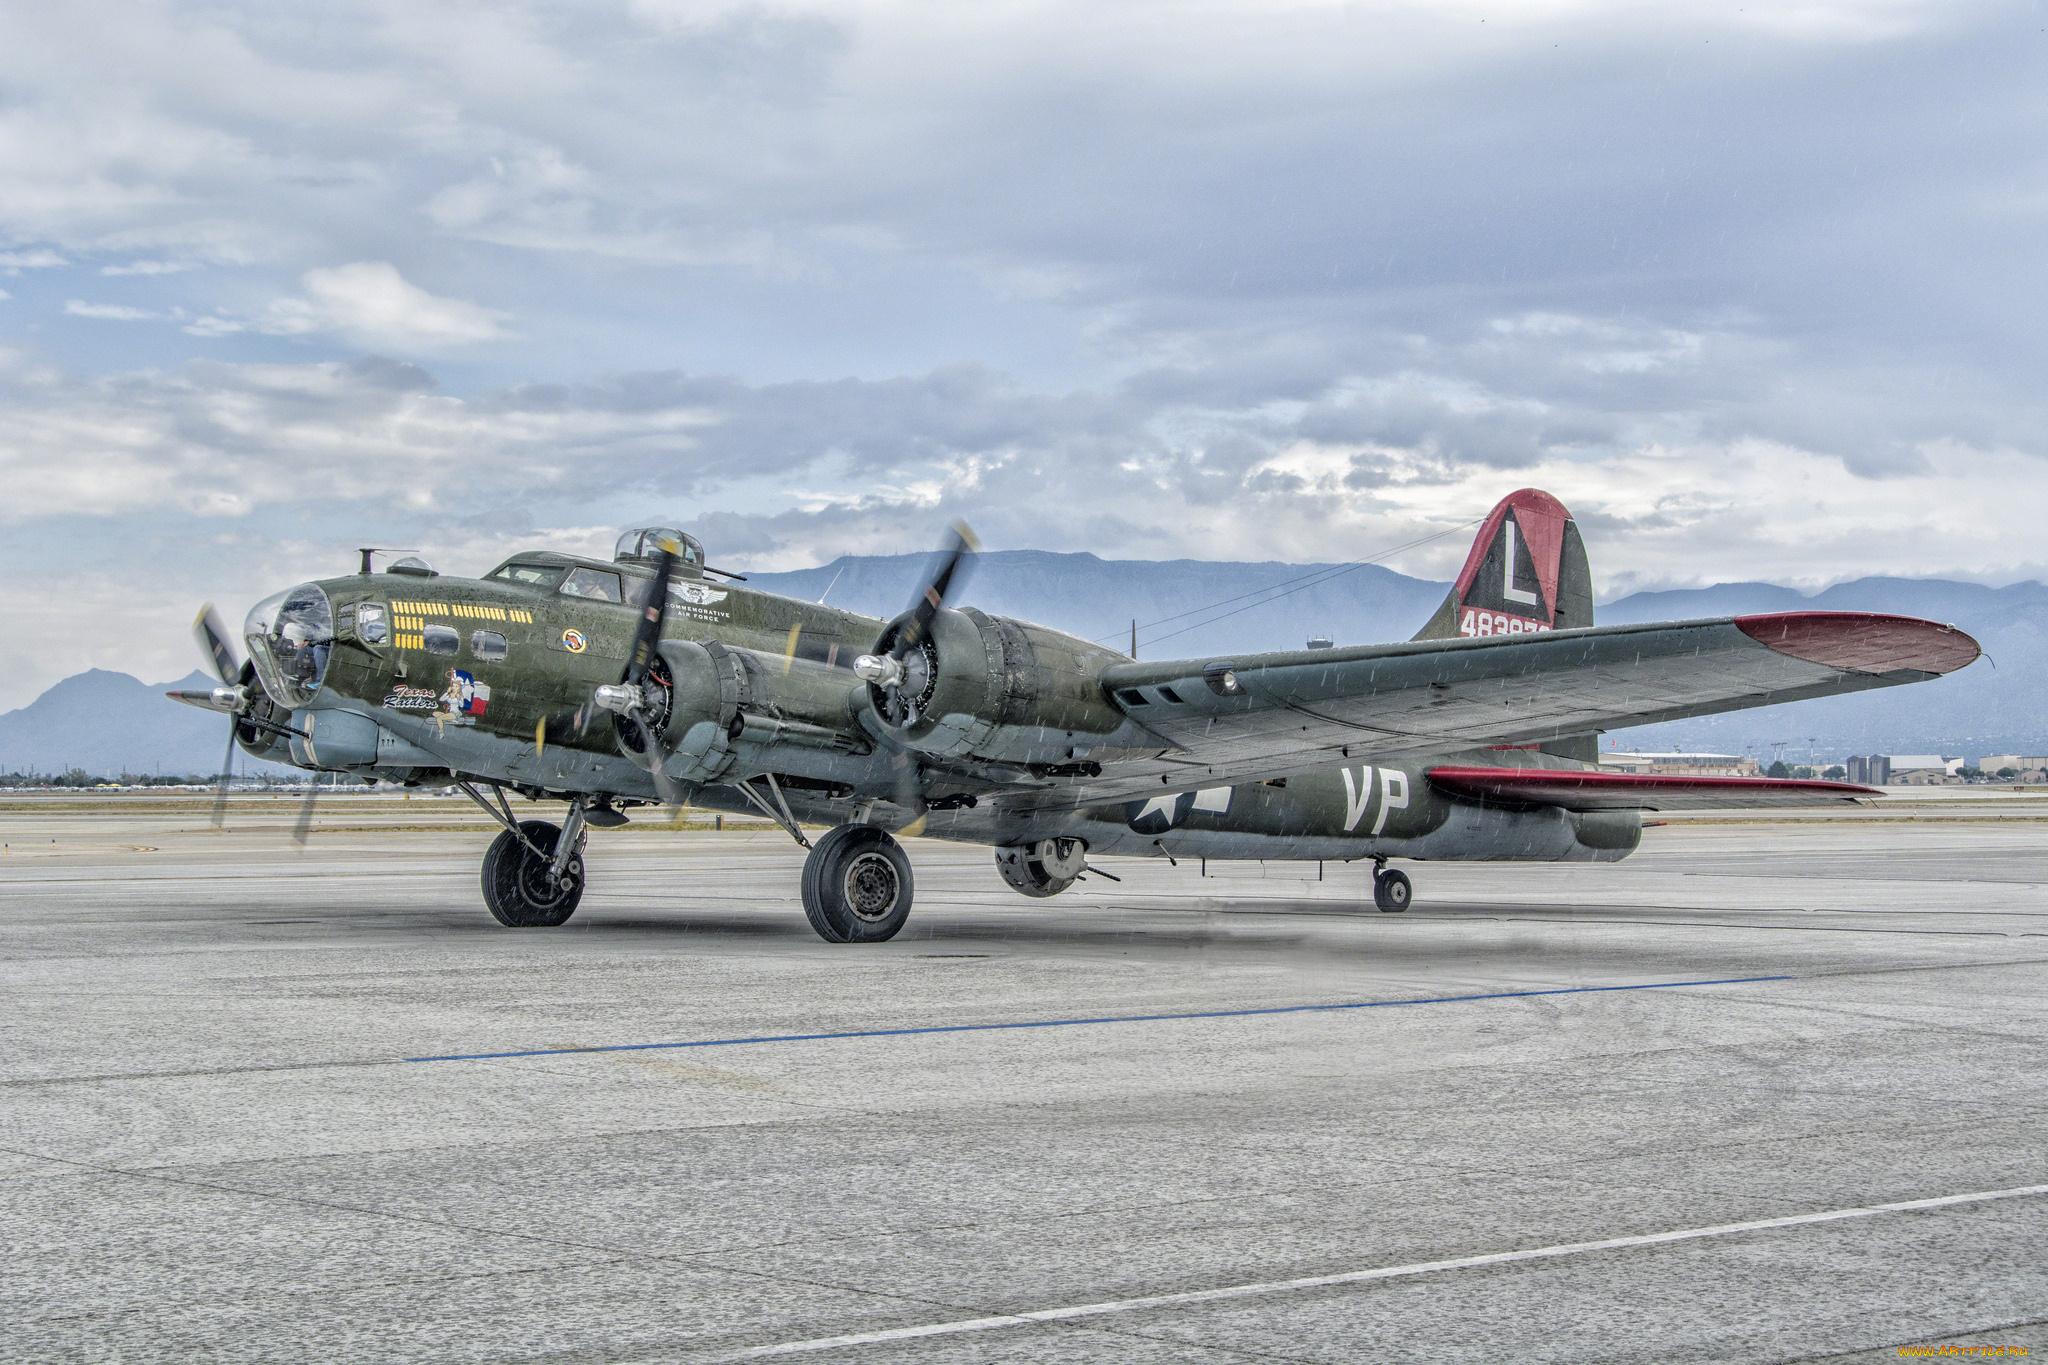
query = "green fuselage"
x=491 y=680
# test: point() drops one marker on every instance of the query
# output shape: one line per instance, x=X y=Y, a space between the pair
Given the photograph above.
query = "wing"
x=1640 y=791
x=1255 y=717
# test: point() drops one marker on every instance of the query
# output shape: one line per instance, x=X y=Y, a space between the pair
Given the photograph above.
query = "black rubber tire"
x=1391 y=891
x=517 y=887
x=856 y=885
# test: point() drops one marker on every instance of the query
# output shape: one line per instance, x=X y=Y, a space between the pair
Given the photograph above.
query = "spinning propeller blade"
x=646 y=644
x=304 y=825
x=215 y=644
x=648 y=637
x=910 y=792
x=227 y=770
x=952 y=561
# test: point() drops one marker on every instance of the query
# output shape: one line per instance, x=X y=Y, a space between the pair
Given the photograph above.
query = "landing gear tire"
x=1045 y=868
x=857 y=885
x=1391 y=890
x=521 y=889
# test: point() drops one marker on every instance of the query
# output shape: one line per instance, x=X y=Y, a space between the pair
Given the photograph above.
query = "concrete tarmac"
x=1147 y=1112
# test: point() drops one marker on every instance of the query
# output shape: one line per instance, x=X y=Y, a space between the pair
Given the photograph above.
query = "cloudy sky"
x=1757 y=290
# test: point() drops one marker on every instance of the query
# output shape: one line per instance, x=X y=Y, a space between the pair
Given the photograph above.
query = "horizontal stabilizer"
x=1586 y=790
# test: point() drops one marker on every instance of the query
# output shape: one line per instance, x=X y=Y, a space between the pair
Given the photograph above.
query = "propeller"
x=235 y=700
x=640 y=703
x=904 y=673
x=230 y=697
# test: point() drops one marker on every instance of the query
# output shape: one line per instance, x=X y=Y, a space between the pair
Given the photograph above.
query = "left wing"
x=1256 y=717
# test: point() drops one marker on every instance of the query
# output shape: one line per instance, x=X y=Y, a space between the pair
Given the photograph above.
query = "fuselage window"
x=487 y=645
x=370 y=624
x=599 y=585
x=442 y=639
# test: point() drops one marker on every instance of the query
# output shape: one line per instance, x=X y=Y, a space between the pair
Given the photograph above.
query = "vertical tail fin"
x=1527 y=572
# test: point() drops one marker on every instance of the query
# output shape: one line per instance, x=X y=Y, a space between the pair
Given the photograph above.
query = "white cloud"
x=113 y=312
x=1292 y=280
x=149 y=268
x=370 y=303
x=14 y=262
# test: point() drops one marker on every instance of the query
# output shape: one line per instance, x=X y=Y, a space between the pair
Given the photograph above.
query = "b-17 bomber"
x=654 y=680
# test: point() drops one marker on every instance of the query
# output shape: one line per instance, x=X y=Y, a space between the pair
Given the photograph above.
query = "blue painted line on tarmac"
x=1103 y=1019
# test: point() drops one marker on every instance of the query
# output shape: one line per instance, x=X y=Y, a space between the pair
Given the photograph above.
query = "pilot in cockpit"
x=306 y=659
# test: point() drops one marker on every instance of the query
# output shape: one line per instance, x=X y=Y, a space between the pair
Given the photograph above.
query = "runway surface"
x=1239 y=1117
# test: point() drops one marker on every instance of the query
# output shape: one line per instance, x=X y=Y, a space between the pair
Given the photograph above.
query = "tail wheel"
x=857 y=885
x=1391 y=890
x=520 y=886
x=1045 y=868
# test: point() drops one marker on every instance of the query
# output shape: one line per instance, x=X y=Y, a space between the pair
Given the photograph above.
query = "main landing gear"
x=533 y=872
x=1391 y=889
x=856 y=885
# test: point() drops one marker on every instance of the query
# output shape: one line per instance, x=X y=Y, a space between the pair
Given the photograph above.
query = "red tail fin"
x=1527 y=572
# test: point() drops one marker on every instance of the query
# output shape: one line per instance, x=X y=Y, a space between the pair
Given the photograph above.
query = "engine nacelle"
x=720 y=699
x=1045 y=868
x=707 y=687
x=1007 y=691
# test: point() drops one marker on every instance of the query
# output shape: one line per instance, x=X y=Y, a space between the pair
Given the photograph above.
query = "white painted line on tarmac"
x=1246 y=1291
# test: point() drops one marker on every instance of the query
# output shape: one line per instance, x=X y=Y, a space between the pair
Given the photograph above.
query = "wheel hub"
x=540 y=884
x=871 y=886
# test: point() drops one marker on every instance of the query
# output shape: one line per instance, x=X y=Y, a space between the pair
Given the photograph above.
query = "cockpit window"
x=534 y=575
x=599 y=585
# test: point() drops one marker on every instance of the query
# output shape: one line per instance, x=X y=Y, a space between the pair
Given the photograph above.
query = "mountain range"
x=108 y=722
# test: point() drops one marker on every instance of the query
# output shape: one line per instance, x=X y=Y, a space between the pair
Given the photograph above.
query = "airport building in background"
x=1690 y=765
x=1924 y=770
x=2027 y=768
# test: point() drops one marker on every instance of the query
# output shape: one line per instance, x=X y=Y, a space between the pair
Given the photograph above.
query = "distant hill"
x=1199 y=606
x=105 y=722
x=109 y=723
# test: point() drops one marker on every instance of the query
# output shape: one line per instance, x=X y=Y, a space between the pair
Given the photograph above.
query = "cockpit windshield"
x=532 y=575
x=639 y=547
x=290 y=635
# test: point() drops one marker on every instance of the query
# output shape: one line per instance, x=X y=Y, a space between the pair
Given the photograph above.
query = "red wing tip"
x=1580 y=779
x=1862 y=641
